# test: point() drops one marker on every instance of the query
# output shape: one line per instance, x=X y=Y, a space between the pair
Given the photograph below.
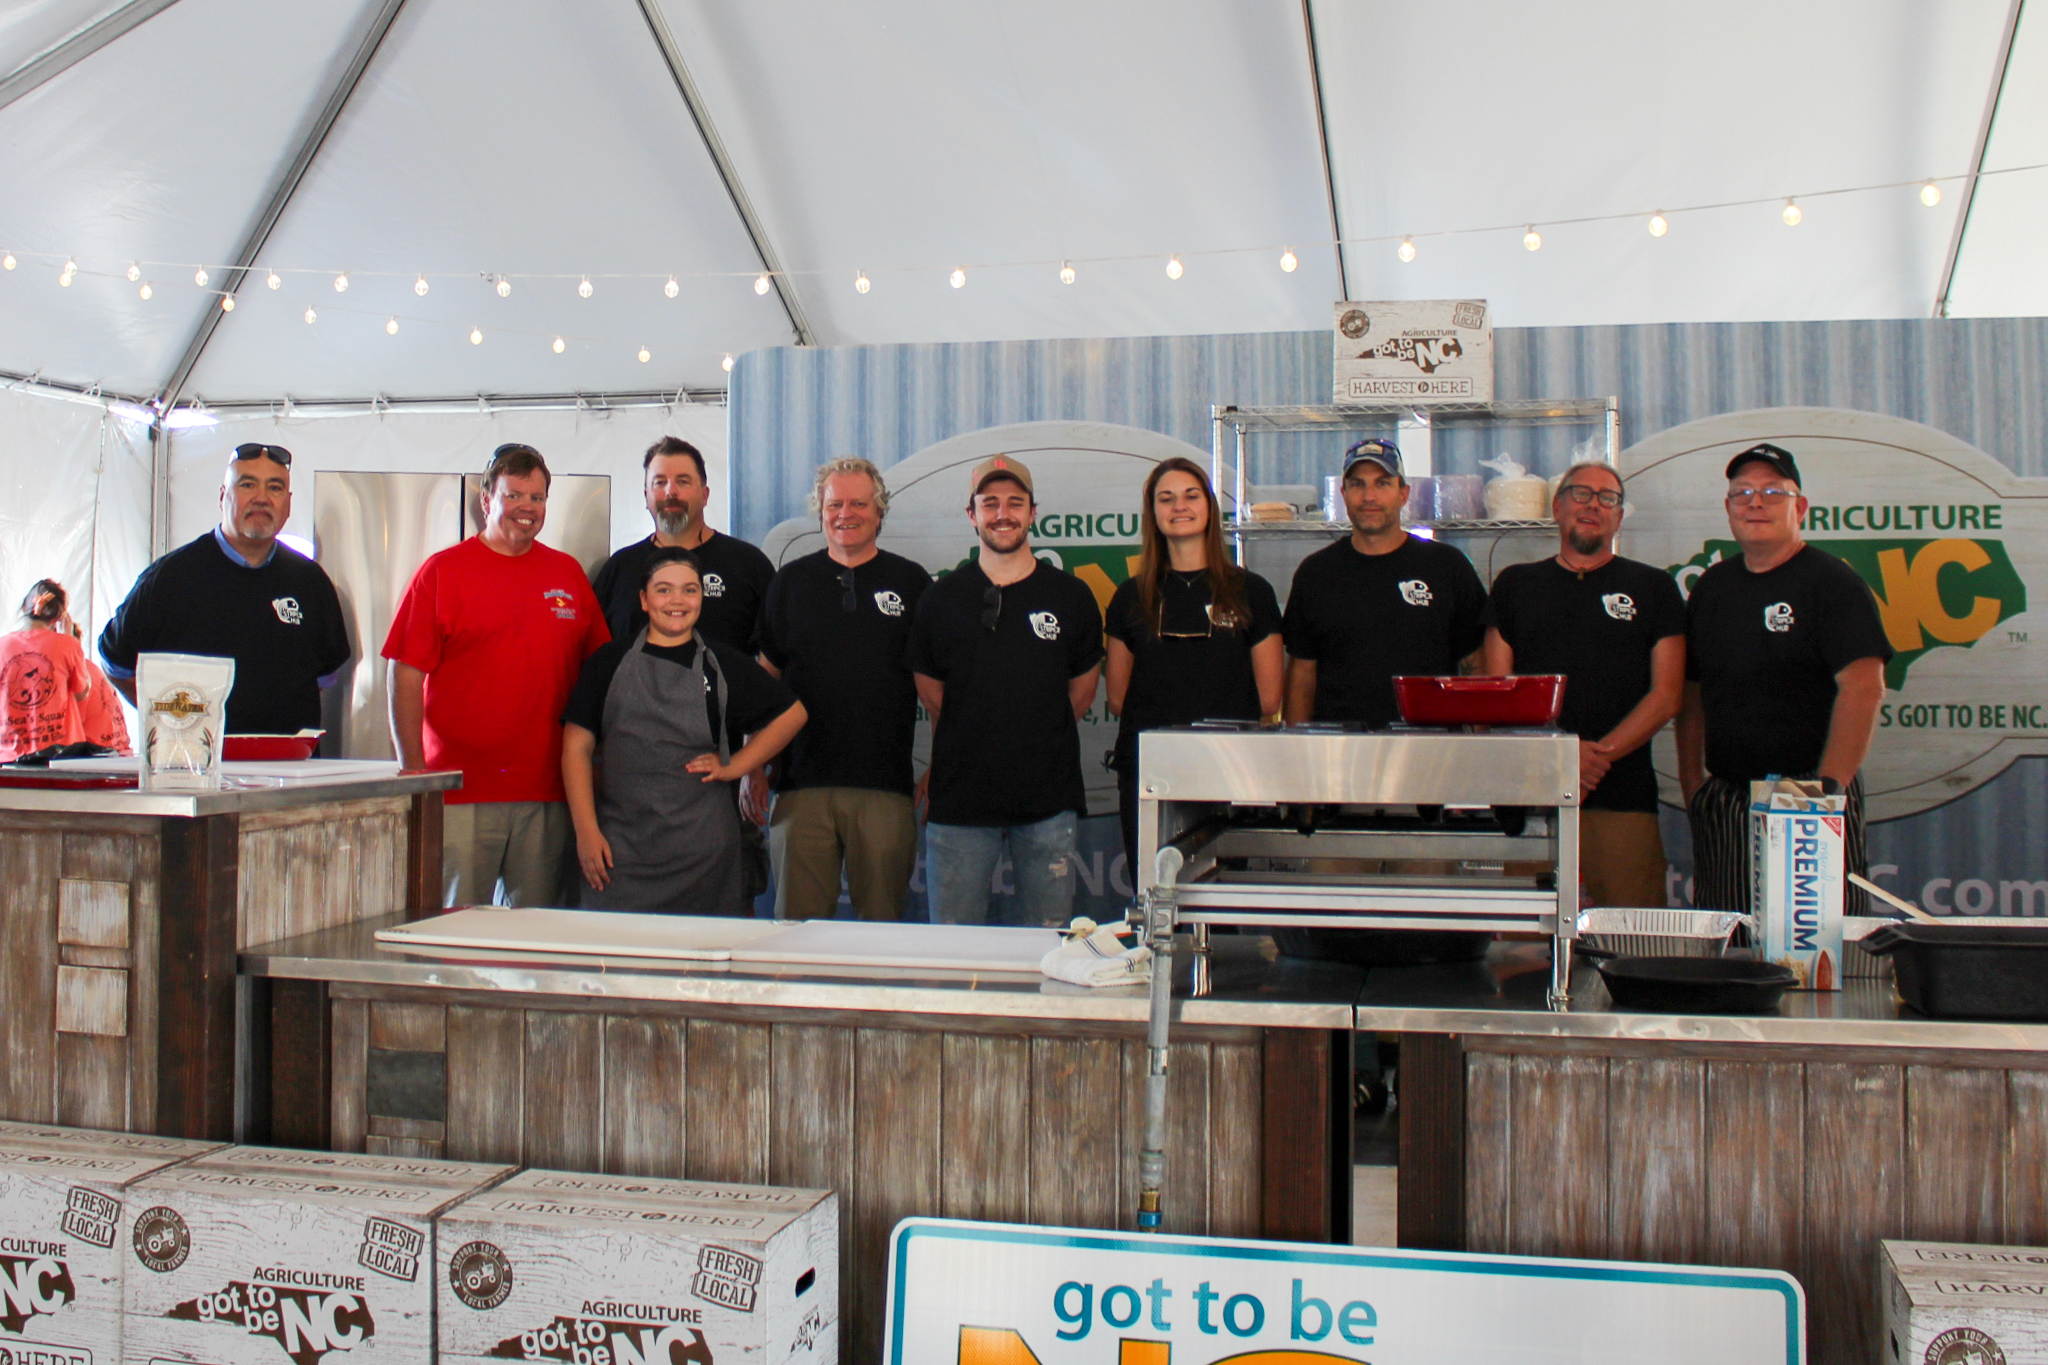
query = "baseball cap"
x=1001 y=467
x=1385 y=454
x=1777 y=457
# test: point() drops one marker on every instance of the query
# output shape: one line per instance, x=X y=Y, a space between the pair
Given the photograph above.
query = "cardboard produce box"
x=61 y=1197
x=258 y=1256
x=1948 y=1303
x=1797 y=867
x=614 y=1270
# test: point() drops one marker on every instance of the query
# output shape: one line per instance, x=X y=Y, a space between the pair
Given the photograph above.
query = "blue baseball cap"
x=1385 y=454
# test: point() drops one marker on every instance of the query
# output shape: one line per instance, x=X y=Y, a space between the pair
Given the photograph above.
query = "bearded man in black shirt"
x=1785 y=656
x=1615 y=629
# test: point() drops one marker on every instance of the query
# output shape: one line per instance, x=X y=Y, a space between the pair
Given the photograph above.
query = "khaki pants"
x=816 y=830
x=504 y=852
x=1621 y=858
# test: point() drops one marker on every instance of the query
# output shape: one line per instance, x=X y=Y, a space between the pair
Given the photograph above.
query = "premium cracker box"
x=61 y=1197
x=615 y=1270
x=1797 y=867
x=1948 y=1303
x=259 y=1256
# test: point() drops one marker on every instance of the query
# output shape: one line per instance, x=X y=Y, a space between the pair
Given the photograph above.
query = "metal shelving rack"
x=1415 y=427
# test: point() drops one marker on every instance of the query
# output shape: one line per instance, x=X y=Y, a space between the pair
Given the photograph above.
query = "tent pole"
x=47 y=66
x=281 y=192
x=727 y=172
x=1955 y=241
x=1315 y=85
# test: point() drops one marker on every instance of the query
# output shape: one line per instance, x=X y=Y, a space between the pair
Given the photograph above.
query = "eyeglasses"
x=991 y=606
x=1582 y=494
x=847 y=601
x=1770 y=497
x=255 y=450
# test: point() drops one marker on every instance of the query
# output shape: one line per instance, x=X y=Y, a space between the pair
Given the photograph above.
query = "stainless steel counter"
x=244 y=795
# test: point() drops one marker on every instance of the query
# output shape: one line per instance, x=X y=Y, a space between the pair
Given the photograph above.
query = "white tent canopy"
x=467 y=139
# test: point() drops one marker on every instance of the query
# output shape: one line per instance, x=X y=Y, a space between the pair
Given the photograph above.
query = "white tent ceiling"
x=902 y=138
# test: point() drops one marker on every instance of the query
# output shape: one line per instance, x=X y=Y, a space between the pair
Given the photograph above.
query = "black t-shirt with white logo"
x=1185 y=667
x=1006 y=750
x=839 y=635
x=736 y=576
x=1765 y=649
x=1598 y=629
x=1367 y=619
x=280 y=622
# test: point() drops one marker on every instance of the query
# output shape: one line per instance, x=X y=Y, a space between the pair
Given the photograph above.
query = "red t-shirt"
x=100 y=719
x=501 y=639
x=41 y=672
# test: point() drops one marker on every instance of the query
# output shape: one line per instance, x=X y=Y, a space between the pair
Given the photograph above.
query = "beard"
x=1005 y=540
x=1584 y=542
x=673 y=520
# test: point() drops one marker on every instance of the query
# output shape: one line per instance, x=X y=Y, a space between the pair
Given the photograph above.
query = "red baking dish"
x=1530 y=699
x=270 y=748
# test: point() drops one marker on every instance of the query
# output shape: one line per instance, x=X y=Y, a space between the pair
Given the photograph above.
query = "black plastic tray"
x=1696 y=985
x=1967 y=971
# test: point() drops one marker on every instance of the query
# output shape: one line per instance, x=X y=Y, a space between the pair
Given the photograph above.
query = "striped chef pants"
x=1719 y=816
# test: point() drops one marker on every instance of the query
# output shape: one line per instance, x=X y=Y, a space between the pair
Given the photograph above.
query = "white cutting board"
x=583 y=933
x=946 y=947
x=280 y=767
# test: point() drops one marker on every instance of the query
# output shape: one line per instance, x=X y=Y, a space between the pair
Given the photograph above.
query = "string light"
x=147 y=291
x=476 y=336
x=1066 y=273
x=583 y=287
x=1930 y=194
x=671 y=288
x=1406 y=251
x=272 y=280
x=1658 y=225
x=726 y=364
x=1173 y=267
x=134 y=272
x=311 y=316
x=200 y=277
x=65 y=276
x=391 y=327
x=1532 y=239
x=341 y=283
x=645 y=355
x=760 y=284
x=560 y=346
x=1791 y=215
x=227 y=303
x=419 y=286
x=860 y=282
x=8 y=262
x=504 y=287
x=1288 y=260
x=958 y=279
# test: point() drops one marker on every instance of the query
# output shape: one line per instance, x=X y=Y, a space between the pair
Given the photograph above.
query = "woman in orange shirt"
x=43 y=677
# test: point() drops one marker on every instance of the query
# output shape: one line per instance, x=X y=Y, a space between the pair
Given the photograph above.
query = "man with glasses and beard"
x=1615 y=629
x=1006 y=650
x=1785 y=656
x=834 y=628
x=736 y=574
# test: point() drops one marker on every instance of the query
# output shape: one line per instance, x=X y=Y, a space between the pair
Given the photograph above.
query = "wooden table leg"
x=423 y=885
x=1431 y=1189
x=1307 y=1140
x=196 y=978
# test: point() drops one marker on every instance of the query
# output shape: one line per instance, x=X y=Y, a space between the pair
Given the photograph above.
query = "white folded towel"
x=1093 y=955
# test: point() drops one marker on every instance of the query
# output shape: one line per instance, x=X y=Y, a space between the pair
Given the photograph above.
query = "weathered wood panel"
x=565 y=1117
x=2026 y=1171
x=1855 y=1196
x=1489 y=1151
x=196 y=965
x=1657 y=1145
x=1430 y=1215
x=349 y=1035
x=422 y=890
x=1237 y=1139
x=1560 y=1132
x=92 y=913
x=1756 y=1164
x=486 y=1083
x=897 y=1125
x=1294 y=1079
x=144 y=932
x=28 y=960
x=725 y=1106
x=643 y=1096
x=315 y=867
x=1075 y=1111
x=810 y=1138
x=401 y=1026
x=92 y=1081
x=1957 y=1130
x=301 y=1064
x=92 y=1000
x=986 y=1128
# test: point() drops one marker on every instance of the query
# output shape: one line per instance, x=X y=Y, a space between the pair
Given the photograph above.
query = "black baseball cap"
x=1777 y=457
x=1385 y=454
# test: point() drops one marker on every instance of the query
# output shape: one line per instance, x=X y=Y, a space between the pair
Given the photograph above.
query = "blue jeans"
x=960 y=866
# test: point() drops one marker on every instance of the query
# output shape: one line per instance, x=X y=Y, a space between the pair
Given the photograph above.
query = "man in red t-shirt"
x=484 y=652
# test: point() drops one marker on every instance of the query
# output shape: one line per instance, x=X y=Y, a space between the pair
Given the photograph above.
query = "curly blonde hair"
x=848 y=464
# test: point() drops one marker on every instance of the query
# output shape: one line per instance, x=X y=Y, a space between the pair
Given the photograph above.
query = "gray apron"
x=675 y=838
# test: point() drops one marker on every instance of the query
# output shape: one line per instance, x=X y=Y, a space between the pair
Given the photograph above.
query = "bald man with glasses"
x=1785 y=656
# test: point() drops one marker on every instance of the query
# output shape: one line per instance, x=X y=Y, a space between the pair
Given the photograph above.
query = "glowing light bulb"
x=8 y=262
x=860 y=282
x=1173 y=267
x=1066 y=273
x=1288 y=260
x=65 y=276
x=1658 y=225
x=583 y=287
x=560 y=346
x=272 y=280
x=1406 y=251
x=391 y=327
x=726 y=364
x=200 y=277
x=419 y=286
x=1791 y=215
x=311 y=316
x=1930 y=194
x=645 y=355
x=1532 y=240
x=504 y=287
x=134 y=272
x=760 y=284
x=227 y=303
x=341 y=283
x=958 y=279
x=147 y=291
x=671 y=288
x=476 y=336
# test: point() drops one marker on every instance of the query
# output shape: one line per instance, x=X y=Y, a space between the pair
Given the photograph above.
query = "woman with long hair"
x=1191 y=635
x=43 y=676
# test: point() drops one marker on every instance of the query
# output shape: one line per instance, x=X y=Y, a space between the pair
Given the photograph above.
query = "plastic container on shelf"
x=1522 y=699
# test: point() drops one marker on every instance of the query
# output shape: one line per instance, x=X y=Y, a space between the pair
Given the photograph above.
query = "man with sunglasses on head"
x=1007 y=650
x=238 y=592
x=834 y=627
x=1615 y=629
x=1785 y=656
